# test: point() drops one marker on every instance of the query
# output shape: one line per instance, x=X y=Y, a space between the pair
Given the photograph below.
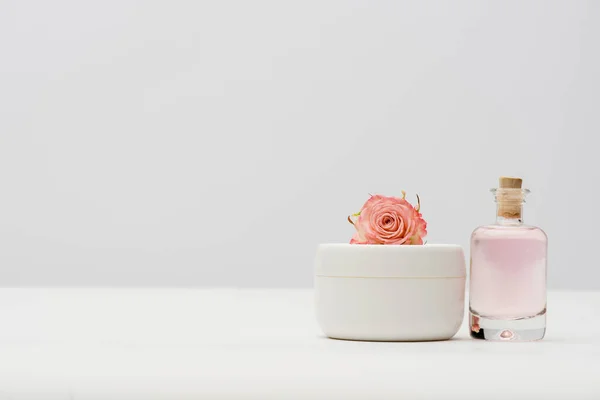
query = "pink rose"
x=388 y=220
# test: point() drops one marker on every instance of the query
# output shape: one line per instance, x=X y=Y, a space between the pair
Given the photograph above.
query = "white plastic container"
x=390 y=292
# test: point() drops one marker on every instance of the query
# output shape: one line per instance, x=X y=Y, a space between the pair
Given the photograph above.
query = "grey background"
x=216 y=143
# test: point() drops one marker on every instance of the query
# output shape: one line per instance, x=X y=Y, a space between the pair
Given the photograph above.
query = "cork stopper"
x=509 y=197
x=510 y=183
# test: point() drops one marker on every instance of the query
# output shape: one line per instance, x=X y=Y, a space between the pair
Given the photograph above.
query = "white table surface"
x=265 y=344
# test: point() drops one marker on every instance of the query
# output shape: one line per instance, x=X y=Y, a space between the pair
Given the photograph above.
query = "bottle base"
x=508 y=330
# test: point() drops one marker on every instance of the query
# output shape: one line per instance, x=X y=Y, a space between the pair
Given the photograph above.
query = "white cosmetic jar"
x=390 y=292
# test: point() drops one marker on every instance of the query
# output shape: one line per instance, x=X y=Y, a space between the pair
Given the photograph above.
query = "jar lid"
x=390 y=261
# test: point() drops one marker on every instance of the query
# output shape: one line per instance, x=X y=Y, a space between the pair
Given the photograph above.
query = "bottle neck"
x=509 y=205
x=509 y=214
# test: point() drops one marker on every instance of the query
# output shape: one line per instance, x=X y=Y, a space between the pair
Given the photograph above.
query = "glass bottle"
x=507 y=299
